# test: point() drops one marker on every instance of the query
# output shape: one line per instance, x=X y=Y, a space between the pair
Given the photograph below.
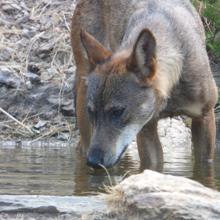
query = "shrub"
x=210 y=12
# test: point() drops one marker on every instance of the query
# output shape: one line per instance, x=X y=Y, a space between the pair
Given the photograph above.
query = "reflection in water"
x=54 y=169
x=205 y=174
x=209 y=175
x=95 y=180
x=63 y=171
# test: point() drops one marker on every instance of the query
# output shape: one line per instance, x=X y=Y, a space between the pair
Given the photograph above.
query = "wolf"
x=138 y=61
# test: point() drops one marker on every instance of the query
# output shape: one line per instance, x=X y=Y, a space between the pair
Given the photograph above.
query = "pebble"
x=34 y=78
x=8 y=78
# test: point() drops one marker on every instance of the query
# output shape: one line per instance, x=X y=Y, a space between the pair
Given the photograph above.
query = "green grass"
x=210 y=12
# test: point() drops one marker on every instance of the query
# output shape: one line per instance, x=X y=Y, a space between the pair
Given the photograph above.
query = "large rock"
x=149 y=195
x=152 y=195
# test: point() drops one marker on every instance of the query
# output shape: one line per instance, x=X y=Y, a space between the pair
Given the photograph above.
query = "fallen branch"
x=18 y=122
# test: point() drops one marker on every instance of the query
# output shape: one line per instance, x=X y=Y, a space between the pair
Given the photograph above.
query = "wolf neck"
x=169 y=57
x=114 y=14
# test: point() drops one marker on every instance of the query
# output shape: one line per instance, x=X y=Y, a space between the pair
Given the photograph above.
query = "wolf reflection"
x=177 y=162
x=62 y=171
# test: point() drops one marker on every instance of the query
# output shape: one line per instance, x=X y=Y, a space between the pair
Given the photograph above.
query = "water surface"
x=56 y=169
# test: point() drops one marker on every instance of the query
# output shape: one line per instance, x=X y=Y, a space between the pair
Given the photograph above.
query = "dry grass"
x=50 y=27
x=16 y=121
x=36 y=33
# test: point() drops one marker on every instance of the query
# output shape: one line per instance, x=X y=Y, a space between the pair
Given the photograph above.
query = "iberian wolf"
x=138 y=61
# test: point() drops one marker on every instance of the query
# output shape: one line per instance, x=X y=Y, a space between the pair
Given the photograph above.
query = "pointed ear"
x=96 y=52
x=143 y=58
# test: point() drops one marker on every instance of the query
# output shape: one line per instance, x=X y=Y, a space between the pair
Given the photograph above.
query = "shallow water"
x=58 y=169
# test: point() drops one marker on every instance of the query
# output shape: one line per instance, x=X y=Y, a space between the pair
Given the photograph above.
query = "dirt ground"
x=36 y=69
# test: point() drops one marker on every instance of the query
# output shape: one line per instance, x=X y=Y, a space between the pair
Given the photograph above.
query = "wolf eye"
x=116 y=113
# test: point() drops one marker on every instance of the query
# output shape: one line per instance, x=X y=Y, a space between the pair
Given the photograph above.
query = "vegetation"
x=210 y=12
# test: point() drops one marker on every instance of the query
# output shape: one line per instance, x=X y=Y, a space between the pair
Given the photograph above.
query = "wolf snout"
x=95 y=157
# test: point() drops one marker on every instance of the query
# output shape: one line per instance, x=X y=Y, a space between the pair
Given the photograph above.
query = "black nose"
x=95 y=158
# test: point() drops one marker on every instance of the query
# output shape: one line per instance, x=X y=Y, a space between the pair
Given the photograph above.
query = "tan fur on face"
x=116 y=64
x=162 y=82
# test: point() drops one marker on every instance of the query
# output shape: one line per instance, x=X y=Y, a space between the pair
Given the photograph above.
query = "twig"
x=124 y=176
x=34 y=39
x=67 y=25
x=51 y=132
x=14 y=119
x=108 y=175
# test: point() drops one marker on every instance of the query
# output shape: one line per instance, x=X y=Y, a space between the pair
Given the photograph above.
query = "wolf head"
x=121 y=97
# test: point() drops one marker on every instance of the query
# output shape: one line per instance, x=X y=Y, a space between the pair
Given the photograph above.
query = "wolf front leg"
x=149 y=147
x=82 y=118
x=82 y=68
x=204 y=137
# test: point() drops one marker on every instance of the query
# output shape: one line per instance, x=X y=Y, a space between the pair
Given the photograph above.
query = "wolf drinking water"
x=139 y=61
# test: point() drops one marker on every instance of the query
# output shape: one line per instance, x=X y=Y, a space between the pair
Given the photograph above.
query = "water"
x=56 y=169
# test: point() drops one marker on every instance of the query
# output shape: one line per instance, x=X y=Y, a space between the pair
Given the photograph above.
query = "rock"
x=28 y=85
x=152 y=195
x=54 y=99
x=8 y=78
x=33 y=68
x=63 y=136
x=146 y=196
x=40 y=124
x=67 y=107
x=28 y=33
x=45 y=49
x=10 y=8
x=5 y=54
x=176 y=130
x=22 y=20
x=48 y=207
x=34 y=78
x=68 y=110
x=64 y=103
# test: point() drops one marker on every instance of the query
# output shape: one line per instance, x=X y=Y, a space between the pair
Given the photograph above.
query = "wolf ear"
x=96 y=52
x=143 y=58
